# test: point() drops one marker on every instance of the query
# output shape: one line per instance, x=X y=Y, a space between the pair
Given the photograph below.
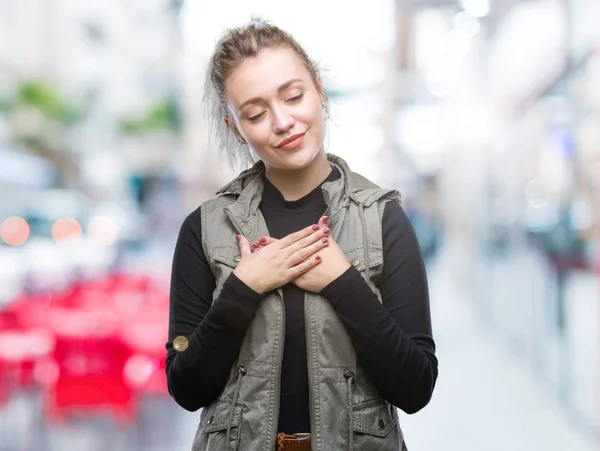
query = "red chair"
x=90 y=359
x=23 y=344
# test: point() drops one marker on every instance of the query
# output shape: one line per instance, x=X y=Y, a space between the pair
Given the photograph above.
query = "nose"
x=282 y=122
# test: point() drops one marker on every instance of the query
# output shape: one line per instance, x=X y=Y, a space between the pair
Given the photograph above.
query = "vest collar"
x=248 y=186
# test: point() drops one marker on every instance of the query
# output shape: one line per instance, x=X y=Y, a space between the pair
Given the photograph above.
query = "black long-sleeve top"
x=393 y=339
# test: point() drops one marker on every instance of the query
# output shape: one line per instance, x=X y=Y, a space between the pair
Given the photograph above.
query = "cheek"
x=316 y=116
x=316 y=119
x=257 y=134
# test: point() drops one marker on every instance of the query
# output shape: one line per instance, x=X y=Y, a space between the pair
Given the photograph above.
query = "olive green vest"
x=347 y=412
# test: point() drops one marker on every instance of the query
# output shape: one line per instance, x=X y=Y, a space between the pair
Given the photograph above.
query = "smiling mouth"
x=292 y=142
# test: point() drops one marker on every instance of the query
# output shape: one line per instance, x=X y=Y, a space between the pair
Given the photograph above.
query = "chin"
x=295 y=159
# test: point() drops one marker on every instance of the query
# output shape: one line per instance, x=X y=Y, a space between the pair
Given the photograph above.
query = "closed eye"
x=296 y=98
x=255 y=117
x=291 y=99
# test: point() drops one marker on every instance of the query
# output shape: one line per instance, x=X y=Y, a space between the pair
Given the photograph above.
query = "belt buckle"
x=302 y=435
x=298 y=441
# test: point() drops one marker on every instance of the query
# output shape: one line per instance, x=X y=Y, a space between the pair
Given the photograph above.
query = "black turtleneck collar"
x=312 y=201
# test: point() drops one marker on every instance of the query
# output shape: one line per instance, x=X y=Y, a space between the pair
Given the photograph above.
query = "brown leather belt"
x=295 y=442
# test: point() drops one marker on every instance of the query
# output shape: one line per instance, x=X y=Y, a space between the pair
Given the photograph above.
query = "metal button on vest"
x=237 y=258
x=355 y=262
x=210 y=420
x=180 y=343
x=381 y=424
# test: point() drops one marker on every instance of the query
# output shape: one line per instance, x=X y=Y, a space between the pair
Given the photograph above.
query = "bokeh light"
x=66 y=229
x=14 y=231
x=102 y=231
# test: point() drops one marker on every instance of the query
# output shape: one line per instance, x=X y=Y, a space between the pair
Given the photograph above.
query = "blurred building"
x=115 y=63
x=499 y=101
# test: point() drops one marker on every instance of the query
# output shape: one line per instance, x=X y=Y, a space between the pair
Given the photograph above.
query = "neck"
x=295 y=184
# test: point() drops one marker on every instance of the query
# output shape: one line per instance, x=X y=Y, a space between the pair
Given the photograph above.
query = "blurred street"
x=486 y=397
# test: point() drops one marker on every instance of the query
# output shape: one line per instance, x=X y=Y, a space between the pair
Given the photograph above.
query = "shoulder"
x=245 y=182
x=397 y=227
x=358 y=187
x=192 y=221
x=364 y=191
x=360 y=182
x=216 y=203
x=394 y=214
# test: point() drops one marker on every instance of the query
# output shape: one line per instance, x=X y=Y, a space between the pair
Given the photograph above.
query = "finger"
x=297 y=236
x=323 y=222
x=305 y=266
x=265 y=240
x=305 y=242
x=306 y=252
x=317 y=246
x=243 y=245
x=323 y=225
x=262 y=242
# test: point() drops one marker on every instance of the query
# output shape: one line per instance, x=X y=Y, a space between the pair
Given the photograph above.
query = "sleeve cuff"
x=237 y=303
x=350 y=283
x=236 y=287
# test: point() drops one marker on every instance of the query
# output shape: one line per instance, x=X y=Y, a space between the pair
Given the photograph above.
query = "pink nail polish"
x=326 y=231
x=263 y=240
x=315 y=227
x=325 y=218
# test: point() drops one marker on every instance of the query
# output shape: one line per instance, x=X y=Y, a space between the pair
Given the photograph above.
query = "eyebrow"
x=283 y=87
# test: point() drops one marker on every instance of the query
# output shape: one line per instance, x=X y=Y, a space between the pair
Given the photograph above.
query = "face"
x=277 y=109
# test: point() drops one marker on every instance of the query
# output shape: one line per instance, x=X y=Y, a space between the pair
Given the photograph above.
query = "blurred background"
x=485 y=114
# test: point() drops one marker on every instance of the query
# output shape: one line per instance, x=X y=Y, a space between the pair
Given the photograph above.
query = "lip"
x=291 y=140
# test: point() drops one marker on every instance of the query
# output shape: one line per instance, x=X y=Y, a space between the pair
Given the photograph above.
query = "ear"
x=234 y=130
x=320 y=89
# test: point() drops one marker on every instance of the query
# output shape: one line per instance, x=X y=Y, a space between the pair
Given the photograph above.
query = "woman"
x=309 y=337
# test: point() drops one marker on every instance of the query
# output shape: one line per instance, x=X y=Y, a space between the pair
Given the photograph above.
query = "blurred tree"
x=163 y=116
x=157 y=130
x=48 y=101
x=40 y=119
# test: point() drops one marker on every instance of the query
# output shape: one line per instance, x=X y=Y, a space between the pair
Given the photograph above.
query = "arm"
x=393 y=339
x=215 y=330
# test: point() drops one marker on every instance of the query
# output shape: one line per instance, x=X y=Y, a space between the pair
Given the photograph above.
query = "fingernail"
x=326 y=231
x=263 y=240
x=325 y=218
x=324 y=240
x=238 y=237
x=254 y=245
x=317 y=258
x=315 y=227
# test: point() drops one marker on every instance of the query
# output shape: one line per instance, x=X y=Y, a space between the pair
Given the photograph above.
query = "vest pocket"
x=356 y=257
x=224 y=261
x=228 y=255
x=368 y=263
x=212 y=433
x=375 y=427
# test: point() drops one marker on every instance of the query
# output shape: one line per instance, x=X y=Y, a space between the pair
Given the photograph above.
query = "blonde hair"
x=235 y=46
